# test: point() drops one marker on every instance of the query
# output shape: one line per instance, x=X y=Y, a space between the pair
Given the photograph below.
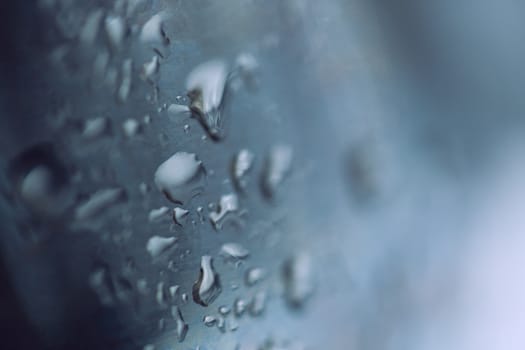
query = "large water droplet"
x=157 y=245
x=207 y=288
x=242 y=163
x=277 y=165
x=178 y=177
x=99 y=201
x=228 y=203
x=234 y=251
x=206 y=86
x=181 y=327
x=298 y=280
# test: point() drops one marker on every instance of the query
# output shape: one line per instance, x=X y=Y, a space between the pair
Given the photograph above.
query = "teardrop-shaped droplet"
x=152 y=32
x=206 y=86
x=157 y=245
x=179 y=176
x=207 y=288
x=179 y=214
x=156 y=215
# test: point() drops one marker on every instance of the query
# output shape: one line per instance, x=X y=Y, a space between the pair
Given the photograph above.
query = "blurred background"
x=255 y=175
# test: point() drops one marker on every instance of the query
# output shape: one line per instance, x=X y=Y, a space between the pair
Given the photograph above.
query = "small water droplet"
x=234 y=325
x=228 y=203
x=173 y=291
x=115 y=30
x=297 y=276
x=150 y=69
x=88 y=32
x=277 y=166
x=144 y=188
x=184 y=297
x=156 y=215
x=178 y=177
x=221 y=324
x=158 y=245
x=147 y=119
x=258 y=303
x=131 y=127
x=100 y=282
x=142 y=286
x=209 y=320
x=179 y=214
x=95 y=127
x=239 y=307
x=186 y=128
x=181 y=326
x=254 y=276
x=224 y=310
x=160 y=296
x=207 y=288
x=242 y=163
x=176 y=109
x=206 y=86
x=234 y=251
x=125 y=84
x=99 y=201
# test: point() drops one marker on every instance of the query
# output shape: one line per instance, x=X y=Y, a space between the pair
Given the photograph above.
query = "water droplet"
x=150 y=69
x=160 y=296
x=228 y=203
x=181 y=327
x=125 y=84
x=258 y=303
x=144 y=188
x=176 y=176
x=176 y=109
x=242 y=163
x=147 y=119
x=221 y=324
x=298 y=283
x=239 y=307
x=99 y=201
x=179 y=214
x=277 y=166
x=157 y=245
x=186 y=128
x=142 y=286
x=224 y=310
x=206 y=86
x=157 y=214
x=209 y=321
x=131 y=127
x=153 y=32
x=254 y=276
x=95 y=127
x=115 y=30
x=162 y=324
x=234 y=251
x=184 y=297
x=207 y=288
x=173 y=291
x=100 y=282
x=234 y=325
x=89 y=30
